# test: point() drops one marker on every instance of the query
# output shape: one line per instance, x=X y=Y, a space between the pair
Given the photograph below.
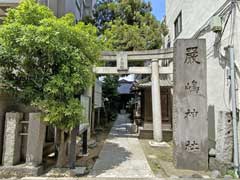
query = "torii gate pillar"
x=156 y=102
x=122 y=59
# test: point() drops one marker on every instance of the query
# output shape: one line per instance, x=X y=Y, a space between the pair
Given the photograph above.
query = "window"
x=178 y=25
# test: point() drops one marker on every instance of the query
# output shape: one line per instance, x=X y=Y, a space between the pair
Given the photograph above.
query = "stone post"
x=93 y=121
x=224 y=139
x=156 y=102
x=89 y=93
x=190 y=122
x=72 y=149
x=12 y=139
x=98 y=117
x=36 y=139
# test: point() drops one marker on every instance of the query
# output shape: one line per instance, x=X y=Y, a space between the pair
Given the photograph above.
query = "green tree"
x=110 y=94
x=47 y=62
x=129 y=25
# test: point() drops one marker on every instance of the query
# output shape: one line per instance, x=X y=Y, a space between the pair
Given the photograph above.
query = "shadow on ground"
x=112 y=155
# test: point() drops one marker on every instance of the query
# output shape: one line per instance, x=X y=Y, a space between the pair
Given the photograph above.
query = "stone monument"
x=190 y=123
x=12 y=139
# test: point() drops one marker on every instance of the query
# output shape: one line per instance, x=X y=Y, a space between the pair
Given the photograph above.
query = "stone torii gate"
x=155 y=69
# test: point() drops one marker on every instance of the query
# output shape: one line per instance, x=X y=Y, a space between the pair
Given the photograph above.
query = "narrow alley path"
x=122 y=155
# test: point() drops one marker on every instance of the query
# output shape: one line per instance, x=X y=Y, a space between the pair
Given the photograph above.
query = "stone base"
x=19 y=171
x=159 y=144
x=78 y=171
x=214 y=164
x=148 y=134
x=66 y=172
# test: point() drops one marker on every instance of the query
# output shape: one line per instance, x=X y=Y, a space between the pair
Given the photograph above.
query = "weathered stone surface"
x=215 y=174
x=156 y=102
x=206 y=177
x=190 y=125
x=19 y=171
x=186 y=177
x=159 y=144
x=228 y=177
x=174 y=177
x=214 y=164
x=36 y=138
x=12 y=139
x=197 y=176
x=92 y=144
x=224 y=139
x=78 y=171
x=212 y=152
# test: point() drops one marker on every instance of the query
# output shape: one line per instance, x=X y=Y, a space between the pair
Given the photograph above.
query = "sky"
x=158 y=8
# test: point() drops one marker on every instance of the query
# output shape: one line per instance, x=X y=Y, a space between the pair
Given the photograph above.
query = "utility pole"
x=234 y=112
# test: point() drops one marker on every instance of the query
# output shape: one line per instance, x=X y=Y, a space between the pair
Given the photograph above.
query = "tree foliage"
x=111 y=96
x=129 y=25
x=47 y=61
x=109 y=87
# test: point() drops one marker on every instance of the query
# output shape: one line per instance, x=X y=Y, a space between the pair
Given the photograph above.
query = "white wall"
x=194 y=15
x=9 y=1
x=61 y=7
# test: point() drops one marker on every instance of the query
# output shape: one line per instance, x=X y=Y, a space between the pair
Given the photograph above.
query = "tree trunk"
x=62 y=151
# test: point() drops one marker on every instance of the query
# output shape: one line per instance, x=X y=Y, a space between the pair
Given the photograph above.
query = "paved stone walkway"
x=122 y=155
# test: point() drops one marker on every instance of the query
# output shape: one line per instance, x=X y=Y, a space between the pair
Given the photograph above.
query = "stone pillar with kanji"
x=190 y=125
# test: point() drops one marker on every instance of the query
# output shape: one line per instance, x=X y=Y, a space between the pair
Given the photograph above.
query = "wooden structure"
x=156 y=68
x=144 y=89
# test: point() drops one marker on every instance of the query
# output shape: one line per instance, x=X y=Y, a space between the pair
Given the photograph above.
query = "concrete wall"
x=194 y=15
x=70 y=6
x=61 y=7
x=79 y=8
x=9 y=1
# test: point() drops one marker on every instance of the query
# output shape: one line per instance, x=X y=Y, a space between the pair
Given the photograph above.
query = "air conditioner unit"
x=216 y=24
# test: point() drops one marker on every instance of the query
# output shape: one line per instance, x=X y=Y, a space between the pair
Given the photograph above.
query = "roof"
x=146 y=82
x=125 y=81
x=163 y=83
x=124 y=88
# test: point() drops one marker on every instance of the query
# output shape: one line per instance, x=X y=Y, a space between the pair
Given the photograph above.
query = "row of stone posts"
x=13 y=133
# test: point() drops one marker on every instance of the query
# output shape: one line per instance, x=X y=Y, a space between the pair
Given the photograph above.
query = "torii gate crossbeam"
x=155 y=56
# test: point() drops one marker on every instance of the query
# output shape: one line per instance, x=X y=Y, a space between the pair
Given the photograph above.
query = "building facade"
x=80 y=8
x=197 y=19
